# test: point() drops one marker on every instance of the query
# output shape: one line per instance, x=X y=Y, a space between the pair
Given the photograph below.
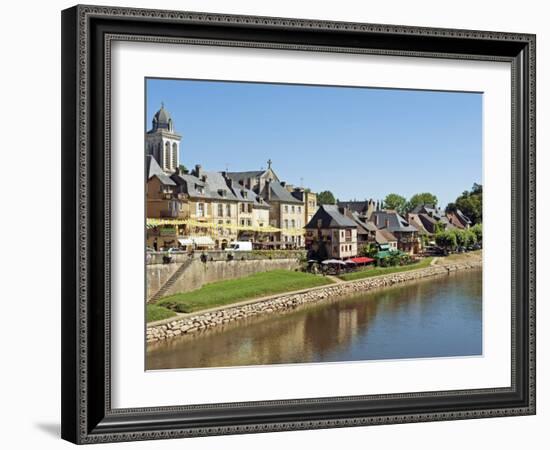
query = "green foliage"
x=470 y=203
x=446 y=240
x=424 y=198
x=439 y=227
x=230 y=291
x=183 y=169
x=375 y=271
x=326 y=198
x=155 y=313
x=396 y=202
x=477 y=229
x=368 y=250
x=451 y=207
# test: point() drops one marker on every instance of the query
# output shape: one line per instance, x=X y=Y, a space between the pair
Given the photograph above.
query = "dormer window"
x=222 y=192
x=199 y=188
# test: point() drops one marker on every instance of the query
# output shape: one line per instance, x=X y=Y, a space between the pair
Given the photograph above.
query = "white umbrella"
x=333 y=261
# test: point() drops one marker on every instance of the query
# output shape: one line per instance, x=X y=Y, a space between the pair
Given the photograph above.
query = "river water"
x=434 y=317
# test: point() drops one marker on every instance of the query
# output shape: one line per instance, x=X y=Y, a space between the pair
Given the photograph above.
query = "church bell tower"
x=162 y=142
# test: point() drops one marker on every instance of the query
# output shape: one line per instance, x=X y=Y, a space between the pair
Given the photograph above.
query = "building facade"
x=330 y=234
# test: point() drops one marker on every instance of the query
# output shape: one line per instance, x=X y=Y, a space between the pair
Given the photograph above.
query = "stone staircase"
x=170 y=282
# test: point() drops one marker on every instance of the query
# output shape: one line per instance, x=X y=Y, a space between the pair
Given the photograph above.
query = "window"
x=299 y=209
x=174 y=156
x=243 y=206
x=250 y=207
x=220 y=209
x=166 y=156
x=292 y=209
x=248 y=222
x=199 y=188
x=200 y=209
x=286 y=208
x=293 y=223
x=228 y=210
x=286 y=223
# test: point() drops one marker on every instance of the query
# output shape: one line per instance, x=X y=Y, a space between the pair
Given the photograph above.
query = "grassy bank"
x=231 y=291
x=155 y=312
x=375 y=271
x=460 y=257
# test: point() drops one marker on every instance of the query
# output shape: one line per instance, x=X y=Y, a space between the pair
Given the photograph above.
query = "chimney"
x=198 y=171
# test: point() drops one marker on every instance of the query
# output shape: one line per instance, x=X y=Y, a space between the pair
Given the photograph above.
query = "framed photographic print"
x=280 y=224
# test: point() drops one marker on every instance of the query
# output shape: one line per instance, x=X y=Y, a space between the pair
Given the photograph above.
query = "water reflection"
x=435 y=317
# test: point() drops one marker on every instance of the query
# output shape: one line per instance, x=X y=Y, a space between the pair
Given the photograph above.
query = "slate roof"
x=216 y=184
x=239 y=176
x=356 y=206
x=246 y=195
x=154 y=170
x=432 y=210
x=416 y=221
x=384 y=236
x=330 y=217
x=363 y=225
x=464 y=218
x=280 y=194
x=395 y=222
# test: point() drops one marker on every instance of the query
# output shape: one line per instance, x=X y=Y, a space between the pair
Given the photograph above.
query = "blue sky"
x=356 y=142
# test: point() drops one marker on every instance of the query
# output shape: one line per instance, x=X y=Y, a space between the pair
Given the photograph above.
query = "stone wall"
x=199 y=273
x=203 y=321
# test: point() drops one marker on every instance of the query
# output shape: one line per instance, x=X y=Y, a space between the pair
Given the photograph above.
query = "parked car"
x=239 y=246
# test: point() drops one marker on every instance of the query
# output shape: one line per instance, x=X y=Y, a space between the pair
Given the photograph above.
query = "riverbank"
x=199 y=322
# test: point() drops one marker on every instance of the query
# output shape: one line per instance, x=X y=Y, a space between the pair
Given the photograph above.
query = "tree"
x=446 y=240
x=183 y=169
x=424 y=198
x=396 y=202
x=470 y=203
x=478 y=231
x=369 y=250
x=451 y=207
x=326 y=198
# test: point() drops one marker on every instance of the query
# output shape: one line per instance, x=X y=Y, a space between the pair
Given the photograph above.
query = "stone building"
x=162 y=142
x=285 y=211
x=408 y=240
x=330 y=234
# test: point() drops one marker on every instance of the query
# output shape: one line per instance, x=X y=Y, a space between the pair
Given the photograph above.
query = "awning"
x=362 y=260
x=333 y=261
x=203 y=240
x=196 y=240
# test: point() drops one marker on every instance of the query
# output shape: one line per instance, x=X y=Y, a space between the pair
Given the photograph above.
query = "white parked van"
x=239 y=246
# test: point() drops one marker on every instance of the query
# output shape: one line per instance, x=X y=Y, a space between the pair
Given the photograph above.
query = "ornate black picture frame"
x=87 y=34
